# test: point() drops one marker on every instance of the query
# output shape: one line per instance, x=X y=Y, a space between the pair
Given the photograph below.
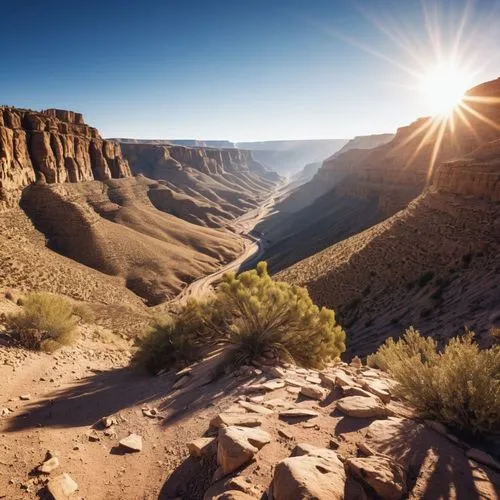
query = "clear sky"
x=242 y=69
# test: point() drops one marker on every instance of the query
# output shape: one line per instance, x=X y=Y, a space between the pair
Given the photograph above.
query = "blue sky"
x=237 y=70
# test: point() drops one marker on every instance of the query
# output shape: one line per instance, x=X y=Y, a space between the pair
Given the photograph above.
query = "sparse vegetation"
x=460 y=386
x=46 y=322
x=251 y=315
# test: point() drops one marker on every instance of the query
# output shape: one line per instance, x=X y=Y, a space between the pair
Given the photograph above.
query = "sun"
x=443 y=88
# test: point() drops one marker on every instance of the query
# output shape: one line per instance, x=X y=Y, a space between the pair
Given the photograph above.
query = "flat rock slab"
x=314 y=392
x=237 y=446
x=202 y=446
x=272 y=385
x=379 y=388
x=255 y=408
x=298 y=413
x=62 y=487
x=384 y=475
x=132 y=443
x=243 y=420
x=361 y=407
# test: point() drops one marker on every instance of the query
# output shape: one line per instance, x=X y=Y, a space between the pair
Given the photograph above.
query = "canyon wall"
x=53 y=146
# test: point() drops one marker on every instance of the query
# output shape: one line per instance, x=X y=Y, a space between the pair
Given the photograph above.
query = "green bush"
x=251 y=315
x=46 y=322
x=460 y=386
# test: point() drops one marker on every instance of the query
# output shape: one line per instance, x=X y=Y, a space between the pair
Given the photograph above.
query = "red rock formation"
x=54 y=145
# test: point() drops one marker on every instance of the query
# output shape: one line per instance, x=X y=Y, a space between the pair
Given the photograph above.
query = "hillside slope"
x=86 y=206
x=383 y=180
x=434 y=265
x=202 y=185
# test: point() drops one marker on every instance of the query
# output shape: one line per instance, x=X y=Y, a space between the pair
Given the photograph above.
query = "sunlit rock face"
x=53 y=146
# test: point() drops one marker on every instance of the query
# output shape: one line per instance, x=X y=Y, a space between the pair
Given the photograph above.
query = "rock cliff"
x=54 y=146
x=207 y=186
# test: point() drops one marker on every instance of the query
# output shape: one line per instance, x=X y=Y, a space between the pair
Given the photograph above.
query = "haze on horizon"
x=242 y=71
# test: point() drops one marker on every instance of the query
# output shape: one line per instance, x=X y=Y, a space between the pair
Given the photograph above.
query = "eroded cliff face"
x=54 y=146
x=418 y=156
x=207 y=186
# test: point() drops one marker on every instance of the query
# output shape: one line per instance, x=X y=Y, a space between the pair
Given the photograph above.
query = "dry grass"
x=47 y=322
x=459 y=387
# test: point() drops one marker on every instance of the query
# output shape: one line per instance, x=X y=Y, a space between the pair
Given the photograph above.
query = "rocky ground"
x=83 y=424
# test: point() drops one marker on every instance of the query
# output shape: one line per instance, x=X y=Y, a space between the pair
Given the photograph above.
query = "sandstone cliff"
x=55 y=146
x=206 y=186
x=363 y=187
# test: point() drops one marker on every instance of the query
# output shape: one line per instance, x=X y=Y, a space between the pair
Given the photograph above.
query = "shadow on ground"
x=106 y=393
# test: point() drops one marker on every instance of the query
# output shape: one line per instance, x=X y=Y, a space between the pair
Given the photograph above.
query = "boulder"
x=62 y=487
x=314 y=473
x=202 y=446
x=361 y=407
x=132 y=443
x=298 y=413
x=314 y=392
x=237 y=446
x=381 y=473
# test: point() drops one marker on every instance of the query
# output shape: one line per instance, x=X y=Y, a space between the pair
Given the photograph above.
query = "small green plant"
x=460 y=386
x=46 y=322
x=251 y=315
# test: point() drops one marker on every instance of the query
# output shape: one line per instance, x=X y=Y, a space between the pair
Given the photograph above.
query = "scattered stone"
x=483 y=458
x=276 y=371
x=93 y=436
x=293 y=390
x=365 y=449
x=109 y=421
x=25 y=397
x=49 y=465
x=356 y=391
x=293 y=382
x=313 y=380
x=255 y=408
x=311 y=424
x=202 y=446
x=256 y=399
x=327 y=379
x=356 y=363
x=62 y=486
x=298 y=413
x=277 y=403
x=309 y=473
x=272 y=385
x=334 y=443
x=381 y=473
x=151 y=412
x=4 y=412
x=183 y=372
x=343 y=380
x=285 y=433
x=110 y=431
x=229 y=419
x=238 y=445
x=132 y=443
x=379 y=388
x=314 y=392
x=361 y=407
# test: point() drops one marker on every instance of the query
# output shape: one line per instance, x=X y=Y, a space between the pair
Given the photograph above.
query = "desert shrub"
x=84 y=313
x=251 y=315
x=459 y=387
x=46 y=322
x=410 y=345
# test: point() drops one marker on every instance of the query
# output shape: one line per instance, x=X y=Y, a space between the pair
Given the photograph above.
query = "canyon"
x=65 y=191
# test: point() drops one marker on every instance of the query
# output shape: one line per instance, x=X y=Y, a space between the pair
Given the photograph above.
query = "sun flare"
x=443 y=88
